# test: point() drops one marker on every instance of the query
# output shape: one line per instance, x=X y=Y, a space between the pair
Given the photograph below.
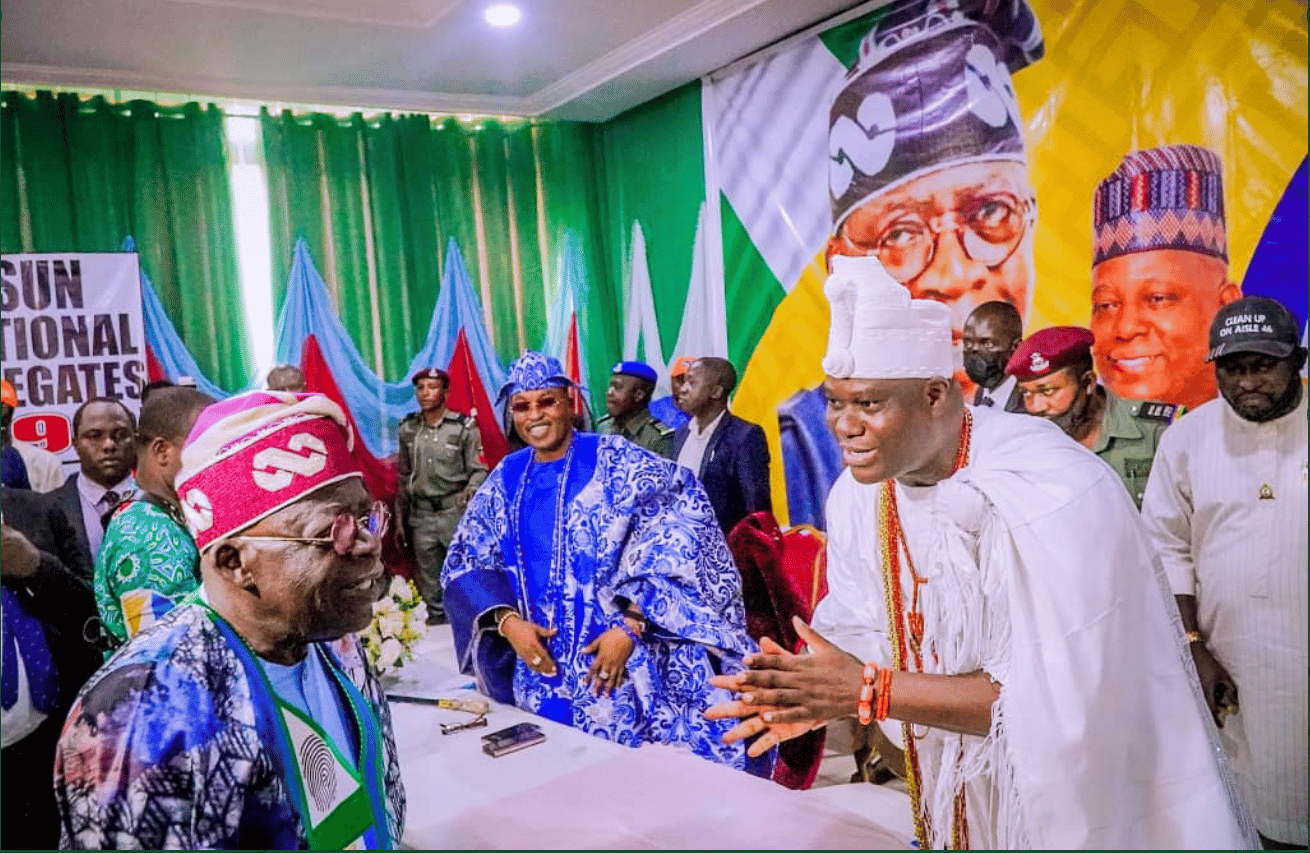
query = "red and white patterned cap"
x=255 y=453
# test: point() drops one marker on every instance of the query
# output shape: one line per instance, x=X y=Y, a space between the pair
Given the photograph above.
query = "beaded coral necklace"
x=891 y=543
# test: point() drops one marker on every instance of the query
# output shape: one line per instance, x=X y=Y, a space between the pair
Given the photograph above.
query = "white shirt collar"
x=93 y=493
x=702 y=434
x=1254 y=428
x=1000 y=395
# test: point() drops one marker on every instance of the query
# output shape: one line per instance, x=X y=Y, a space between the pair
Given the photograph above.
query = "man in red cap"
x=440 y=467
x=1055 y=372
x=248 y=717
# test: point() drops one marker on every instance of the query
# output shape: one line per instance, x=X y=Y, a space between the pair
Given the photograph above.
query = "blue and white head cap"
x=533 y=371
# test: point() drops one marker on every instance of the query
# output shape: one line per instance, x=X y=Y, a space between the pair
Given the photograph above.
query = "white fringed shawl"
x=1040 y=575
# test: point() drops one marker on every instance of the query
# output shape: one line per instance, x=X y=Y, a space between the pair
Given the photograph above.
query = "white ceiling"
x=571 y=59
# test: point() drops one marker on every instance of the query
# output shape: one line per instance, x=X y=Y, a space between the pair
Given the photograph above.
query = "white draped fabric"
x=1040 y=574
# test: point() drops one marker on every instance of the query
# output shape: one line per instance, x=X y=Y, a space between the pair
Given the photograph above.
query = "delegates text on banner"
x=70 y=330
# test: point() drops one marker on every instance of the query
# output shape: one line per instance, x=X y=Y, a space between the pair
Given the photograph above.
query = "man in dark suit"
x=104 y=436
x=46 y=604
x=991 y=335
x=730 y=455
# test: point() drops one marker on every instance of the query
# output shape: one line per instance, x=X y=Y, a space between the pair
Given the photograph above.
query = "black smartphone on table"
x=512 y=739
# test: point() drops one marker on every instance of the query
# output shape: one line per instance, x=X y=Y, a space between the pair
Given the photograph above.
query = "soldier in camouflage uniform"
x=627 y=400
x=440 y=468
x=1055 y=372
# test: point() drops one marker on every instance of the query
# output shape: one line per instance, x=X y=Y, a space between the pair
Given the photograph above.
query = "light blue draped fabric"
x=377 y=405
x=170 y=352
x=457 y=308
x=570 y=298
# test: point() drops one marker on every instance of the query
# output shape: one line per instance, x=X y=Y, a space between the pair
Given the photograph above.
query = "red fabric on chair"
x=781 y=577
x=805 y=566
x=756 y=545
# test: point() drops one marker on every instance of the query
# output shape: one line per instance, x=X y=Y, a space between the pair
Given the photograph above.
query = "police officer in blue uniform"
x=627 y=402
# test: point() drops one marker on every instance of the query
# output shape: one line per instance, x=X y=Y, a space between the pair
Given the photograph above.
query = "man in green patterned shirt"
x=148 y=560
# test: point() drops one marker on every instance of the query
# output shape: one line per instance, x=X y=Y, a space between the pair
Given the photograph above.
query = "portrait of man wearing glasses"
x=926 y=172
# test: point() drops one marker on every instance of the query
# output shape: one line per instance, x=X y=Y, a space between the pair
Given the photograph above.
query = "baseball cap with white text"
x=1254 y=324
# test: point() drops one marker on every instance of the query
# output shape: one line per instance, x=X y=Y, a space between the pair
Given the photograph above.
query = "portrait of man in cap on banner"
x=1159 y=273
x=936 y=187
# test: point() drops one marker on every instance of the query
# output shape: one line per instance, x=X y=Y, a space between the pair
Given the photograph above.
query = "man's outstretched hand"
x=784 y=695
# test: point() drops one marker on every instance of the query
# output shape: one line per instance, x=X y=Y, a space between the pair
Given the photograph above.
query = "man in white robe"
x=1037 y=668
x=1226 y=509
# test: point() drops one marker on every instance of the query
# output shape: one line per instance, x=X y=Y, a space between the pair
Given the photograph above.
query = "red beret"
x=431 y=373
x=1048 y=350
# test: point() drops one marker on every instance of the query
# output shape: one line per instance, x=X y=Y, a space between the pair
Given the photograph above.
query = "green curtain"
x=573 y=181
x=80 y=176
x=663 y=193
x=378 y=200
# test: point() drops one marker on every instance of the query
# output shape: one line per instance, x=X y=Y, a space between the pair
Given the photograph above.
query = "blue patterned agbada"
x=172 y=745
x=626 y=525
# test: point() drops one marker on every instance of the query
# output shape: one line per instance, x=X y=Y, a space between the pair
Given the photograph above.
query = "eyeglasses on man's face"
x=346 y=530
x=989 y=228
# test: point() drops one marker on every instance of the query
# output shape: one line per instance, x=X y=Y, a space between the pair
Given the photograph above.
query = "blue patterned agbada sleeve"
x=164 y=754
x=164 y=749
x=475 y=579
x=673 y=560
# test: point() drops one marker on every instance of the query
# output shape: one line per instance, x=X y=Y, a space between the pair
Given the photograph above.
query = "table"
x=578 y=791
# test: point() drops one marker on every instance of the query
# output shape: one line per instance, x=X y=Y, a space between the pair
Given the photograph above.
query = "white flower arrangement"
x=398 y=623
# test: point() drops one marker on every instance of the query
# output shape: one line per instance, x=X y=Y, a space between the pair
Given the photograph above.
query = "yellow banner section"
x=1118 y=76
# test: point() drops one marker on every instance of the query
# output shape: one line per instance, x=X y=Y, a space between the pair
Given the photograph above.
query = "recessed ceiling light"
x=502 y=15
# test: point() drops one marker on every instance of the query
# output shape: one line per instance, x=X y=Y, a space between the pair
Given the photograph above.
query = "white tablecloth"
x=577 y=791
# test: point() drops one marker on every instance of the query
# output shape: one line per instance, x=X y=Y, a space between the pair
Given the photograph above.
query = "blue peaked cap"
x=533 y=371
x=639 y=369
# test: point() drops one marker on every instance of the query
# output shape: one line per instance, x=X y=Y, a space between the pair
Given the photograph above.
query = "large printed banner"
x=1123 y=165
x=70 y=330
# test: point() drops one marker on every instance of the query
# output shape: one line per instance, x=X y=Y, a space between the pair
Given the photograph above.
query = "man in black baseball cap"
x=1256 y=349
x=1225 y=508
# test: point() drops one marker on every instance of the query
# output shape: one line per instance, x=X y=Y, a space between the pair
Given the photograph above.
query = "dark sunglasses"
x=541 y=404
x=345 y=530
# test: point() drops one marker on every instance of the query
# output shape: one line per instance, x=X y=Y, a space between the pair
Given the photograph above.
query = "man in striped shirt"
x=1226 y=509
